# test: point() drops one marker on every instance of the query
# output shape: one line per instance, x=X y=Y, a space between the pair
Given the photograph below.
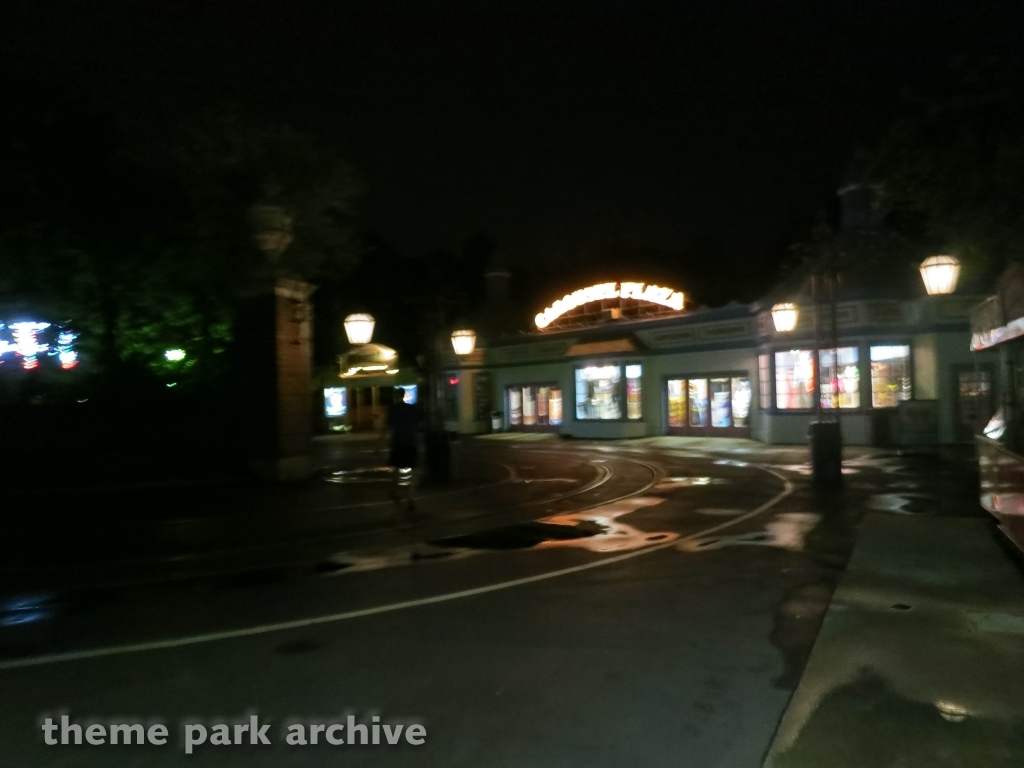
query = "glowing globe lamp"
x=464 y=341
x=940 y=274
x=359 y=328
x=784 y=316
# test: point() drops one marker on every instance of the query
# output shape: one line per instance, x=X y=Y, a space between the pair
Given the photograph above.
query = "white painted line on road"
x=117 y=650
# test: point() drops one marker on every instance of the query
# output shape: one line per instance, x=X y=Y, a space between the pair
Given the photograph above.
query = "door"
x=975 y=400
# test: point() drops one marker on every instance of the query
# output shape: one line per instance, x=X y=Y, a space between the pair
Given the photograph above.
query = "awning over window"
x=608 y=347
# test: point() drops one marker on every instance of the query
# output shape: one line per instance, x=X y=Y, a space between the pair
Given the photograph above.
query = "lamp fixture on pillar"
x=784 y=316
x=464 y=341
x=359 y=328
x=940 y=274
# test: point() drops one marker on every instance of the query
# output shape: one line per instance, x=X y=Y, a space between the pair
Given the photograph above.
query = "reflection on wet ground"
x=614 y=536
x=797 y=621
x=787 y=530
x=903 y=503
x=672 y=483
x=361 y=475
x=596 y=530
x=866 y=723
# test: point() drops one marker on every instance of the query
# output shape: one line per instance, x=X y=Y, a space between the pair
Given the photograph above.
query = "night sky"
x=553 y=127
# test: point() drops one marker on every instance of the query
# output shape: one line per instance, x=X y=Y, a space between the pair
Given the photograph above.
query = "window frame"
x=531 y=427
x=863 y=345
x=890 y=342
x=707 y=430
x=622 y=391
x=815 y=393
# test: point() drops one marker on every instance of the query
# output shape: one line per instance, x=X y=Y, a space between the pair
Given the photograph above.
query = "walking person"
x=403 y=423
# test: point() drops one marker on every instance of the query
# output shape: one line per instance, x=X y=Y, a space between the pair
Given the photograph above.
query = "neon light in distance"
x=26 y=344
x=655 y=294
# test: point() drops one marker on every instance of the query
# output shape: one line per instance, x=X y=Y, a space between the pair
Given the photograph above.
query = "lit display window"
x=706 y=404
x=840 y=377
x=794 y=379
x=515 y=406
x=634 y=403
x=335 y=402
x=698 y=390
x=535 y=405
x=741 y=394
x=677 y=402
x=599 y=392
x=890 y=375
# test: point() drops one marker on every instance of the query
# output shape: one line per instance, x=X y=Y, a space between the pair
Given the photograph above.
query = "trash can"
x=496 y=421
x=826 y=441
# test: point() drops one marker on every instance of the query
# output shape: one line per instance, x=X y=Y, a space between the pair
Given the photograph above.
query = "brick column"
x=273 y=343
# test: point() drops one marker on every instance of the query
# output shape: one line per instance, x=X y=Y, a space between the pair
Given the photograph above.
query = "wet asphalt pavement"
x=560 y=604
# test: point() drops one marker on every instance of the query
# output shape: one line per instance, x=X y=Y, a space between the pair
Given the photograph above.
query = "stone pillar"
x=273 y=344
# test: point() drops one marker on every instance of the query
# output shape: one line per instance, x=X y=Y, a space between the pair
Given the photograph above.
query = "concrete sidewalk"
x=920 y=659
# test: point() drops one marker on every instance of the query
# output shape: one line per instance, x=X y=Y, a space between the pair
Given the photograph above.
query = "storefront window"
x=740 y=401
x=794 y=379
x=698 y=390
x=840 y=378
x=634 y=405
x=529 y=407
x=515 y=406
x=598 y=392
x=535 y=405
x=335 y=402
x=721 y=403
x=764 y=380
x=890 y=375
x=677 y=402
x=555 y=406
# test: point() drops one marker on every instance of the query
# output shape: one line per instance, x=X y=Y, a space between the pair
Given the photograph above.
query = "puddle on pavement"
x=868 y=722
x=805 y=469
x=797 y=621
x=903 y=503
x=596 y=530
x=787 y=530
x=363 y=475
x=698 y=481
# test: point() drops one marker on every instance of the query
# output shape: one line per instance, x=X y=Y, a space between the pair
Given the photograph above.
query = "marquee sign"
x=654 y=294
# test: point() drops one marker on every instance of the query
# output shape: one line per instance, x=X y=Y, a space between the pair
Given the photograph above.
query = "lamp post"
x=438 y=450
x=940 y=274
x=824 y=434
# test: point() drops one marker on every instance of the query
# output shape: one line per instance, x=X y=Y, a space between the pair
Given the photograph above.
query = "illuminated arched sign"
x=654 y=294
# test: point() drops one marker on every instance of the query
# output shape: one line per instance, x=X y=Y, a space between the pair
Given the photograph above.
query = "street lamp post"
x=824 y=434
x=438 y=449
